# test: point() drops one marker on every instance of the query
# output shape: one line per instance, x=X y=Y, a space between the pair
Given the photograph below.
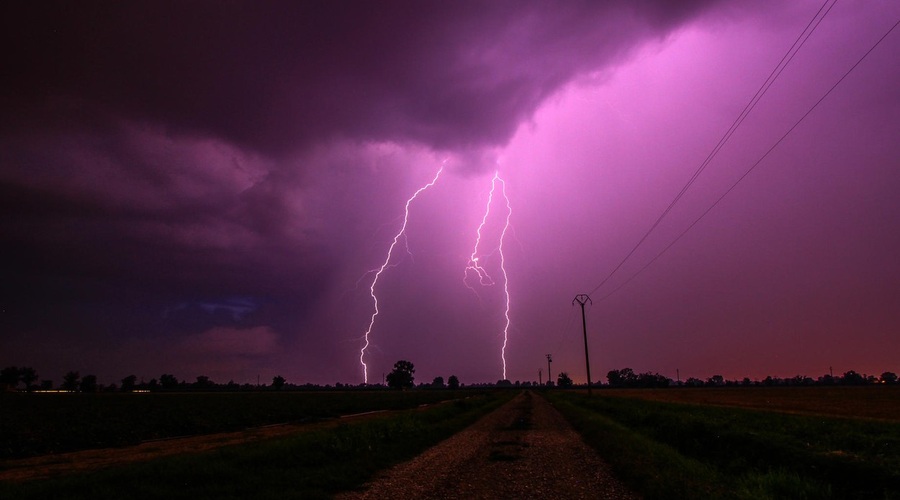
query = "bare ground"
x=525 y=449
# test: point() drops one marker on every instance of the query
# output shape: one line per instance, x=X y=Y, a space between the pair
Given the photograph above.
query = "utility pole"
x=549 y=376
x=540 y=379
x=583 y=299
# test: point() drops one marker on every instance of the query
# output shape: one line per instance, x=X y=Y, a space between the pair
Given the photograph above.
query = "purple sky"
x=202 y=188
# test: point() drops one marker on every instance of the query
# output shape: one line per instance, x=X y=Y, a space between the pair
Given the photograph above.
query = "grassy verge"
x=669 y=450
x=37 y=424
x=309 y=465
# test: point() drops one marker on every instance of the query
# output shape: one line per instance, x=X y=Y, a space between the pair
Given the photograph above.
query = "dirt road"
x=525 y=449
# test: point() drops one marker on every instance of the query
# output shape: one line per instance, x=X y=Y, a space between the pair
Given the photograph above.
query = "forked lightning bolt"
x=474 y=264
x=387 y=261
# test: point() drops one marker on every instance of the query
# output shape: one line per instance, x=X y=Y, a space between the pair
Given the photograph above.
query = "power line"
x=752 y=167
x=776 y=72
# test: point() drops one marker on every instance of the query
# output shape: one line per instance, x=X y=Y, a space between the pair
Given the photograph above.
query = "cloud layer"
x=185 y=174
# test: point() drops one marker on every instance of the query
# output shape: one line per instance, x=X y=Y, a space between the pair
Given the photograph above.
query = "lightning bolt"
x=474 y=263
x=385 y=265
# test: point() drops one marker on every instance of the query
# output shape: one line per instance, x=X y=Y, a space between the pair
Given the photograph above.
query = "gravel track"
x=524 y=449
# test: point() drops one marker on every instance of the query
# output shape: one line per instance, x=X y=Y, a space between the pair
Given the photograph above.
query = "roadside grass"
x=37 y=424
x=674 y=450
x=309 y=465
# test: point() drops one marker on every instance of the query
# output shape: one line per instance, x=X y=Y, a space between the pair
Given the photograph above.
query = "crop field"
x=878 y=402
x=313 y=463
x=37 y=424
x=759 y=442
x=745 y=442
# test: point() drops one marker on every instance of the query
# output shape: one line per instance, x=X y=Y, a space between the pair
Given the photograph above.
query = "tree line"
x=626 y=377
x=13 y=378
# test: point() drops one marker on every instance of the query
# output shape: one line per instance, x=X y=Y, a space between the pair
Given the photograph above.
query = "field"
x=37 y=424
x=746 y=442
x=314 y=462
x=877 y=402
x=758 y=442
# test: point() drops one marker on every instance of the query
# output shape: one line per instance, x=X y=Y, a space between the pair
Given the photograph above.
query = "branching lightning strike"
x=385 y=265
x=474 y=263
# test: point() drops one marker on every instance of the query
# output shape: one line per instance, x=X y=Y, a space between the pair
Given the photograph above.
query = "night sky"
x=205 y=188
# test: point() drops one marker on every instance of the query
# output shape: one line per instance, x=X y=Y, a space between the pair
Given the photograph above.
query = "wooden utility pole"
x=549 y=376
x=583 y=299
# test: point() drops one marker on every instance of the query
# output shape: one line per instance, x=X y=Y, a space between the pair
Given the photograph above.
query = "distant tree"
x=563 y=380
x=46 y=385
x=203 y=382
x=853 y=378
x=622 y=378
x=504 y=383
x=693 y=382
x=402 y=375
x=889 y=378
x=128 y=383
x=278 y=382
x=9 y=377
x=652 y=380
x=438 y=383
x=88 y=383
x=453 y=382
x=168 y=381
x=28 y=376
x=715 y=381
x=71 y=380
x=153 y=384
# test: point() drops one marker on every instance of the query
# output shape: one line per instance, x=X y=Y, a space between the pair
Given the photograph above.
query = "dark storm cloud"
x=278 y=76
x=161 y=162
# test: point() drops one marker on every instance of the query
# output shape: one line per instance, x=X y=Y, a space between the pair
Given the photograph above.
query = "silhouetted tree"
x=46 y=385
x=9 y=377
x=622 y=378
x=853 y=378
x=277 y=382
x=715 y=381
x=453 y=382
x=563 y=380
x=28 y=376
x=402 y=375
x=651 y=380
x=71 y=380
x=128 y=383
x=693 y=382
x=889 y=378
x=88 y=383
x=203 y=382
x=438 y=383
x=168 y=381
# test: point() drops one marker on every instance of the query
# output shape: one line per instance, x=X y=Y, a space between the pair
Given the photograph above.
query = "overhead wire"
x=770 y=79
x=752 y=167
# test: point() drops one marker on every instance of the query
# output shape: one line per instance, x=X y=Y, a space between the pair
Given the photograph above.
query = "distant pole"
x=549 y=376
x=582 y=299
x=540 y=379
